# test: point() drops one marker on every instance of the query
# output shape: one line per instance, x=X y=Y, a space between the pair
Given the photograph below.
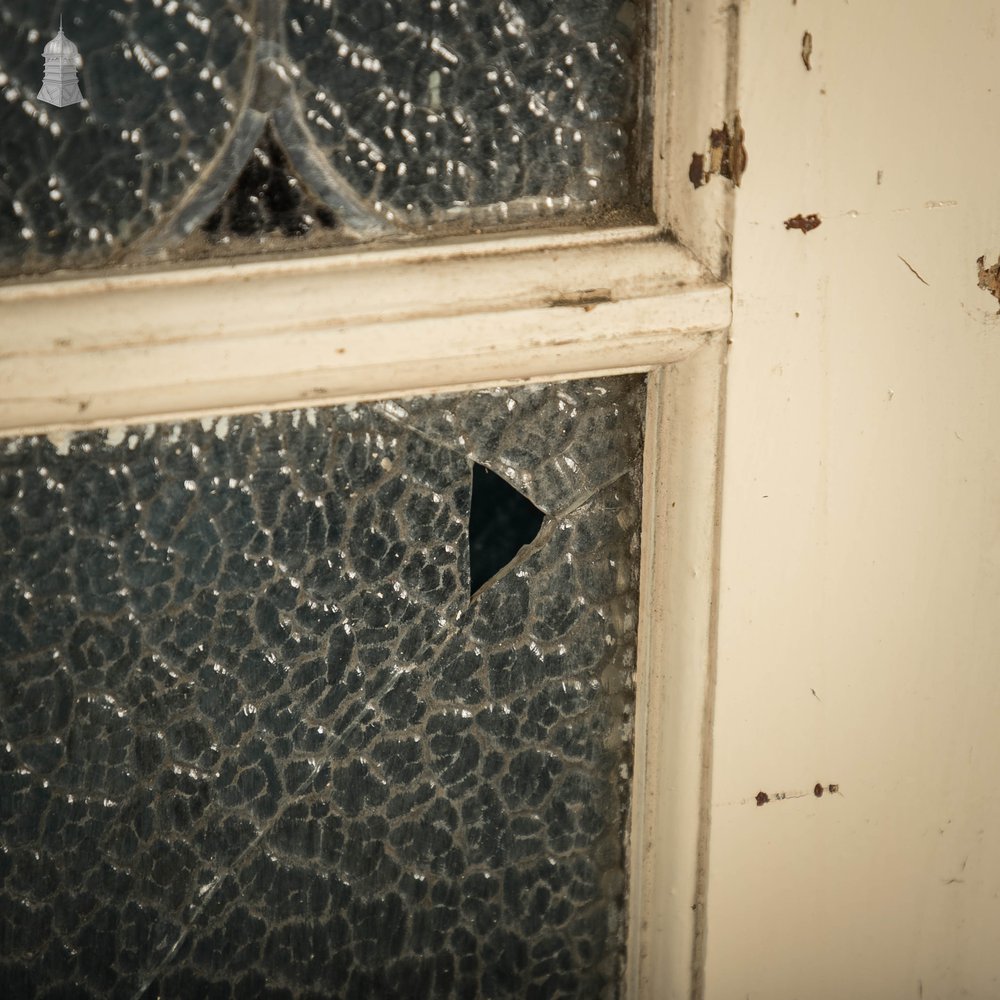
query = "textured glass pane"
x=256 y=738
x=397 y=118
x=162 y=89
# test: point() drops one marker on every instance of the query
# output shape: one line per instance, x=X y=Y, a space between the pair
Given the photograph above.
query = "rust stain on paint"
x=804 y=223
x=989 y=277
x=726 y=156
x=807 y=49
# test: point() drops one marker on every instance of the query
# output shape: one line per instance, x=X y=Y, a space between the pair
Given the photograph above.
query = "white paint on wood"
x=859 y=635
x=675 y=671
x=695 y=93
x=109 y=373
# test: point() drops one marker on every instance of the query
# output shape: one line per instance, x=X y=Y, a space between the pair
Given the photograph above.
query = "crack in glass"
x=255 y=740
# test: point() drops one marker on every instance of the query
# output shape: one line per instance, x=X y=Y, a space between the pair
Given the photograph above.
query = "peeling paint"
x=726 y=156
x=804 y=223
x=989 y=278
x=728 y=151
x=807 y=49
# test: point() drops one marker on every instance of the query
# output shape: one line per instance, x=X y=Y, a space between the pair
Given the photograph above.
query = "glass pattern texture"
x=399 y=117
x=256 y=740
x=267 y=199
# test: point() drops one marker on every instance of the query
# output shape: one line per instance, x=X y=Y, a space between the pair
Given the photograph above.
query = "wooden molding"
x=283 y=334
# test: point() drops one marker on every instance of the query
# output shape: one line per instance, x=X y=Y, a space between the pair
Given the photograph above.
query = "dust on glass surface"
x=256 y=739
x=210 y=126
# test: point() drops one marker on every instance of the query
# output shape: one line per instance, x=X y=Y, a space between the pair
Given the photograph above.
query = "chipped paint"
x=804 y=223
x=807 y=49
x=762 y=798
x=728 y=151
x=989 y=277
x=726 y=156
x=696 y=172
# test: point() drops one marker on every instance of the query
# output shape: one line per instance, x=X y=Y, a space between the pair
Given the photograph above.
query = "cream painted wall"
x=860 y=552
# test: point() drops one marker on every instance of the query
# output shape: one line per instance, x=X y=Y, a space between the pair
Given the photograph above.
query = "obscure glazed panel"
x=256 y=740
x=162 y=87
x=390 y=119
x=430 y=110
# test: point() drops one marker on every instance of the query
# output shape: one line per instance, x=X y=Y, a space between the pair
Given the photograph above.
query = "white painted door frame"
x=115 y=348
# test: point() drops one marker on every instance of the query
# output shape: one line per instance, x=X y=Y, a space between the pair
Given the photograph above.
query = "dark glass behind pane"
x=267 y=199
x=256 y=739
x=397 y=118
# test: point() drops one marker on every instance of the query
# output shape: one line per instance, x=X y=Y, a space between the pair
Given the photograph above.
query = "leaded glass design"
x=400 y=117
x=267 y=198
x=257 y=740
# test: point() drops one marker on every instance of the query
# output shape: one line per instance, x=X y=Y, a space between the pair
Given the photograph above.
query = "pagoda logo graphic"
x=59 y=84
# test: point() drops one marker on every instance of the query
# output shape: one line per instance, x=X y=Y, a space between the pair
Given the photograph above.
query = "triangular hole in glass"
x=501 y=521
